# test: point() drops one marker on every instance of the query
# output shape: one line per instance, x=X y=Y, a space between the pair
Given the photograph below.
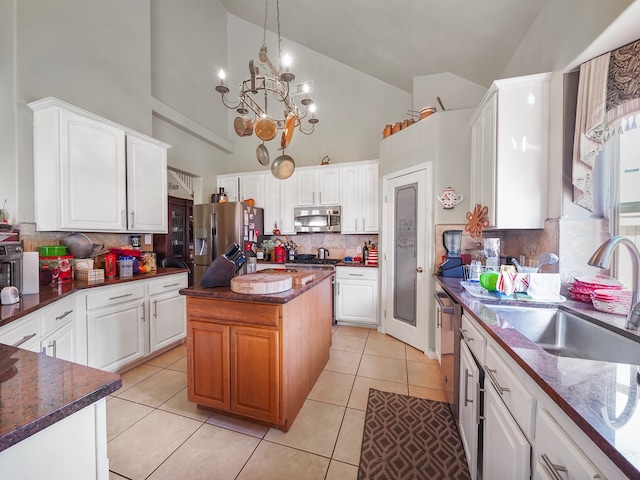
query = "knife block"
x=219 y=273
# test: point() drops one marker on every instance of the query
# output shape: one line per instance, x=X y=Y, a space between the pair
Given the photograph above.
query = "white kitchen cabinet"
x=278 y=207
x=231 y=185
x=59 y=334
x=556 y=454
x=94 y=175
x=167 y=311
x=23 y=333
x=239 y=187
x=509 y=156
x=360 y=197
x=317 y=186
x=469 y=414
x=356 y=295
x=74 y=448
x=146 y=185
x=506 y=451
x=116 y=326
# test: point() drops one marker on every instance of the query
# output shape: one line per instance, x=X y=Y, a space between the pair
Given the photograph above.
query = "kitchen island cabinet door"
x=255 y=371
x=208 y=364
x=146 y=186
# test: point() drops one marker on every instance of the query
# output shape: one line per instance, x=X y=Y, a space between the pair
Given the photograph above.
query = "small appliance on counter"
x=452 y=266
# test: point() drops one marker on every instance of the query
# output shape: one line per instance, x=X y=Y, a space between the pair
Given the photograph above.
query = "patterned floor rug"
x=409 y=438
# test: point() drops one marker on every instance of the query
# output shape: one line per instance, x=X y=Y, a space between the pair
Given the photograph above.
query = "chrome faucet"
x=601 y=258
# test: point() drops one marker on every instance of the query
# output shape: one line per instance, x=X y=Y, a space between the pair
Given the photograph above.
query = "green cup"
x=488 y=280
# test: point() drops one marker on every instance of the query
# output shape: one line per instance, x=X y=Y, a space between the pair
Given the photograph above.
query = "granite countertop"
x=225 y=293
x=37 y=391
x=577 y=386
x=55 y=291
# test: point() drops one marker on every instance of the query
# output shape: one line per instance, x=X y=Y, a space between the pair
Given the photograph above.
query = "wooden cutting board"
x=300 y=279
x=261 y=283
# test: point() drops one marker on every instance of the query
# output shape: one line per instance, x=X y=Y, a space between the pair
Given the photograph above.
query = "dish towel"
x=544 y=286
x=510 y=282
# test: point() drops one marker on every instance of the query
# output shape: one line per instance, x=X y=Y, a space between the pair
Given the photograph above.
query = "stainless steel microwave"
x=317 y=219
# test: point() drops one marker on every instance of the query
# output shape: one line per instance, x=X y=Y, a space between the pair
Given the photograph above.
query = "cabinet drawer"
x=57 y=316
x=21 y=332
x=473 y=337
x=520 y=402
x=108 y=296
x=223 y=311
x=556 y=451
x=357 y=273
x=169 y=283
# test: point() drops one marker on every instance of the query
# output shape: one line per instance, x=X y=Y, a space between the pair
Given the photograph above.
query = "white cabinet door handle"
x=467 y=375
x=552 y=468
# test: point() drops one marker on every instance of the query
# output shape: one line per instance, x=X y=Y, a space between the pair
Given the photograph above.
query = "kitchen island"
x=257 y=356
x=53 y=411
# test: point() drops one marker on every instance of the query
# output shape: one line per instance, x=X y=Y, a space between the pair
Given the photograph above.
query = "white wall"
x=352 y=107
x=8 y=158
x=454 y=91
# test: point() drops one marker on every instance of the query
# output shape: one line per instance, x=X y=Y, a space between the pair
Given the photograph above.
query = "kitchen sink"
x=564 y=334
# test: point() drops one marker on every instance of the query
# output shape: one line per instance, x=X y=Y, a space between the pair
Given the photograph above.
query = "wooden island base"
x=257 y=356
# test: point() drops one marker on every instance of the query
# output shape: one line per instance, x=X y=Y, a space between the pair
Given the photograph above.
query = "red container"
x=279 y=254
x=110 y=265
x=60 y=267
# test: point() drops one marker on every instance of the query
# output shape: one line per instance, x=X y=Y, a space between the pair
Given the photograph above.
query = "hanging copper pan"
x=287 y=133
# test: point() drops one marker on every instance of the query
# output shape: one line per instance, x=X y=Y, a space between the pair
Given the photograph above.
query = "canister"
x=110 y=265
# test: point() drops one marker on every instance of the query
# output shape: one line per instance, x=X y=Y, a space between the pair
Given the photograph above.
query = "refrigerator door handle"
x=214 y=237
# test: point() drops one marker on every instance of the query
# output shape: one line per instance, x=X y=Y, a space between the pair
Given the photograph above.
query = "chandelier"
x=269 y=87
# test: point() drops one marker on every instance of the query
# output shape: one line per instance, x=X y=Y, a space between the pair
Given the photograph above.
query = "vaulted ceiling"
x=395 y=41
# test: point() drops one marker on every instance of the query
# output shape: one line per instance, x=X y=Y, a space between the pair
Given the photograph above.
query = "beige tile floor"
x=155 y=433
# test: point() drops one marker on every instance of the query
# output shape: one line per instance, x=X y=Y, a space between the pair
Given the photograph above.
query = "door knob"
x=419 y=270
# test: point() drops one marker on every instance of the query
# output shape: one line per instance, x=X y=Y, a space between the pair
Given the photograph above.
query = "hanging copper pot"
x=266 y=129
x=243 y=126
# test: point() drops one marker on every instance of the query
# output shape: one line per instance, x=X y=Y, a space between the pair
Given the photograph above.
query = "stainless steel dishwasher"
x=448 y=323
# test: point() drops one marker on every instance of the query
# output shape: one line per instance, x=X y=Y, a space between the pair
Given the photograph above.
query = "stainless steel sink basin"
x=566 y=335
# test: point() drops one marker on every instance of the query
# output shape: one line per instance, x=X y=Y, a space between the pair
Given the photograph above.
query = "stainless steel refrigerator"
x=218 y=225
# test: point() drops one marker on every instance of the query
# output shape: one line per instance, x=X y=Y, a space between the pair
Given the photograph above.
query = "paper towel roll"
x=30 y=273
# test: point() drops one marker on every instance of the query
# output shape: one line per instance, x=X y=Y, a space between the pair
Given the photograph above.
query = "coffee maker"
x=452 y=265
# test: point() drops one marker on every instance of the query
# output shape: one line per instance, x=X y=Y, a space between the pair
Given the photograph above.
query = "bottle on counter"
x=365 y=254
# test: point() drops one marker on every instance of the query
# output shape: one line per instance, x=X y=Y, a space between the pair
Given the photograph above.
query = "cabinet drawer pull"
x=170 y=285
x=448 y=309
x=120 y=296
x=552 y=468
x=356 y=274
x=60 y=317
x=466 y=338
x=491 y=372
x=467 y=375
x=24 y=339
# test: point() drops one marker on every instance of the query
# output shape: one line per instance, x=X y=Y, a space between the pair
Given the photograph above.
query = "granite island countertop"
x=575 y=385
x=37 y=391
x=225 y=293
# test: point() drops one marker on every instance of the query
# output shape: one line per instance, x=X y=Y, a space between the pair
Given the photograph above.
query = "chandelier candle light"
x=266 y=83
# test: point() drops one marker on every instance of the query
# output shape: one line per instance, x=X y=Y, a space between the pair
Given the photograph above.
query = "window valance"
x=608 y=101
